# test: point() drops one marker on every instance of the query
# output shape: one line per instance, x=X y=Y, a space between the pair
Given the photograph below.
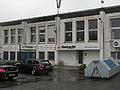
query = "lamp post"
x=58 y=2
x=57 y=21
x=57 y=29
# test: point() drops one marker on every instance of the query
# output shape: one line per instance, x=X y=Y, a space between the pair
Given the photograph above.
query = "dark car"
x=7 y=71
x=35 y=66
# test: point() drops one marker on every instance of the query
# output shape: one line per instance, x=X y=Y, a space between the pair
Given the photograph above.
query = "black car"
x=35 y=66
x=7 y=71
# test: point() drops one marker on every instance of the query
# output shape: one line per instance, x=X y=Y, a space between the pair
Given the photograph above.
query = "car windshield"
x=45 y=62
x=3 y=63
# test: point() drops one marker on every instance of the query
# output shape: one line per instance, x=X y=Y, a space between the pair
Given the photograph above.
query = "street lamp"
x=58 y=2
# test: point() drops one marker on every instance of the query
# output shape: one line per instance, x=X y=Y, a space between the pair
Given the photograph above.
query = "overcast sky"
x=22 y=9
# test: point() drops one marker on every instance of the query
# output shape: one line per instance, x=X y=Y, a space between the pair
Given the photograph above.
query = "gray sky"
x=22 y=9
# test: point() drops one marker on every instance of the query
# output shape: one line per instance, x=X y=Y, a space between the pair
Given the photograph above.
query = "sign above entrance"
x=82 y=46
x=28 y=47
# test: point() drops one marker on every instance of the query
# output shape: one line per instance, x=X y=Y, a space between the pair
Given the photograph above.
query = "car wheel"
x=33 y=72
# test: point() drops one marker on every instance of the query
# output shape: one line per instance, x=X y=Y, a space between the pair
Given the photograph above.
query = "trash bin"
x=102 y=68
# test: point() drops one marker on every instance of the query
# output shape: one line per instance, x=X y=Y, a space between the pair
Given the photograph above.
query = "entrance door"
x=80 y=57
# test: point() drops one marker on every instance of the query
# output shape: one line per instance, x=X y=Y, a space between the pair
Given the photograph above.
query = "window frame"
x=93 y=29
x=68 y=38
x=6 y=36
x=33 y=34
x=41 y=33
x=13 y=34
x=51 y=40
x=43 y=54
x=80 y=31
x=114 y=28
x=20 y=35
x=53 y=58
x=116 y=54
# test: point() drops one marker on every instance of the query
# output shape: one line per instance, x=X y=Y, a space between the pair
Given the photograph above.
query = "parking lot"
x=61 y=78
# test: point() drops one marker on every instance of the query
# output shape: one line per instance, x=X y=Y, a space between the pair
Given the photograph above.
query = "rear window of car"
x=45 y=62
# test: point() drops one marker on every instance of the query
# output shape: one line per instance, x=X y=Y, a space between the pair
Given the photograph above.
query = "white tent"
x=102 y=68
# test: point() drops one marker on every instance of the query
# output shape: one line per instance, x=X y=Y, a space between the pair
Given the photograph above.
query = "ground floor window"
x=41 y=55
x=26 y=55
x=12 y=55
x=51 y=56
x=5 y=55
x=115 y=55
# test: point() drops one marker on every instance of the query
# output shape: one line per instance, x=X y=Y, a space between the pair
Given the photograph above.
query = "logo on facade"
x=73 y=46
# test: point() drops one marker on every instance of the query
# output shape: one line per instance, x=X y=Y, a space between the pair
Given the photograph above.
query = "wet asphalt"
x=60 y=79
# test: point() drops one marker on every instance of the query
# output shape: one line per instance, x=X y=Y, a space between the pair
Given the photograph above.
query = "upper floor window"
x=6 y=34
x=80 y=31
x=51 y=33
x=12 y=36
x=93 y=28
x=41 y=33
x=68 y=31
x=20 y=30
x=32 y=34
x=115 y=28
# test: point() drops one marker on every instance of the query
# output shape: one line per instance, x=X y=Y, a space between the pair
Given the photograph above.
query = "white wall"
x=90 y=56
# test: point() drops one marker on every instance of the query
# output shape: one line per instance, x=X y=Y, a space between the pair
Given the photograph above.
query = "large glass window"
x=6 y=32
x=93 y=28
x=12 y=55
x=12 y=36
x=33 y=34
x=51 y=33
x=115 y=28
x=41 y=33
x=68 y=31
x=51 y=56
x=80 y=31
x=20 y=30
x=41 y=55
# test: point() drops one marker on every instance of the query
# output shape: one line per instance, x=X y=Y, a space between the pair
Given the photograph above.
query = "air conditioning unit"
x=116 y=43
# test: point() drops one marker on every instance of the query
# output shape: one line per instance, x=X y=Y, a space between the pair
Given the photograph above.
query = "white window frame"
x=13 y=36
x=20 y=35
x=43 y=33
x=33 y=35
x=93 y=30
x=81 y=30
x=68 y=31
x=114 y=28
x=6 y=36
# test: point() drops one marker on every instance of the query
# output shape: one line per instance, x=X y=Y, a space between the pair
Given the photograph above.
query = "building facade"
x=73 y=38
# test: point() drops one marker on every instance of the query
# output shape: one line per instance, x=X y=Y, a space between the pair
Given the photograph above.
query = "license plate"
x=11 y=74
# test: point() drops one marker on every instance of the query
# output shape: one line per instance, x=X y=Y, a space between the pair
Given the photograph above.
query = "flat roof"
x=90 y=12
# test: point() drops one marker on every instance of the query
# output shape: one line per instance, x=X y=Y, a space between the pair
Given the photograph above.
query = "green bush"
x=82 y=66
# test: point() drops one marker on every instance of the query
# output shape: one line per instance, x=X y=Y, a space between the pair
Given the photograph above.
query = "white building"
x=74 y=38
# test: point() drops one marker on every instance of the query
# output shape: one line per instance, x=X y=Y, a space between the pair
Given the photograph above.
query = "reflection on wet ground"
x=60 y=79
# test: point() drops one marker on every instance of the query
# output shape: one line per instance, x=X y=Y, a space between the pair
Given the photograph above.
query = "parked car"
x=7 y=71
x=35 y=66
